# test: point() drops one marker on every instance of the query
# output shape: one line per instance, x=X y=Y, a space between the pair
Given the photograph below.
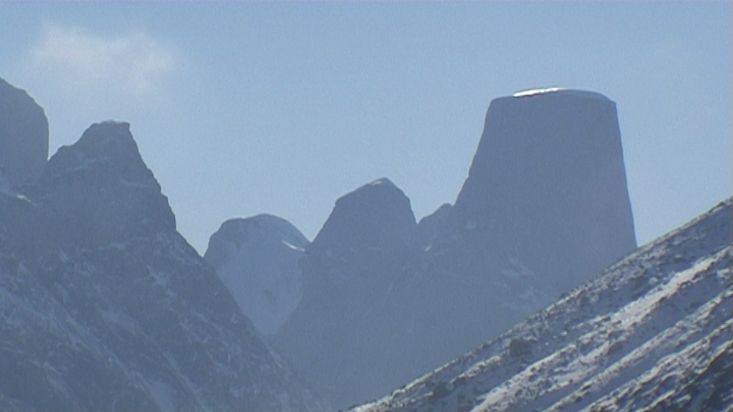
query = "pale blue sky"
x=244 y=108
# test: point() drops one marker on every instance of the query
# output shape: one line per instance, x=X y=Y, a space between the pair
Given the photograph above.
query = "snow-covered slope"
x=653 y=331
x=258 y=259
x=105 y=306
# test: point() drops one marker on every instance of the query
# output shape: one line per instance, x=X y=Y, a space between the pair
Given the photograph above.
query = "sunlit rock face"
x=547 y=185
x=23 y=136
x=258 y=260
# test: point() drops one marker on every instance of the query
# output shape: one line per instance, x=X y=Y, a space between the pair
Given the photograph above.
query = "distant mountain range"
x=544 y=208
x=105 y=306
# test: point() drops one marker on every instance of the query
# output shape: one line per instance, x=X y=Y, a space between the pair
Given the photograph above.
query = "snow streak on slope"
x=653 y=331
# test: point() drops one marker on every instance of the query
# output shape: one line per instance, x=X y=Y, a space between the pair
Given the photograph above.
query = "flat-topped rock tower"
x=547 y=184
x=544 y=209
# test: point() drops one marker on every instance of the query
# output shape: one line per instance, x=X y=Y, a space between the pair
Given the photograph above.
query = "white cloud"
x=133 y=62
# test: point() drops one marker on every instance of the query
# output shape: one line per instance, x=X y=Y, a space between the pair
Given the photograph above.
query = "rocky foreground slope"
x=653 y=332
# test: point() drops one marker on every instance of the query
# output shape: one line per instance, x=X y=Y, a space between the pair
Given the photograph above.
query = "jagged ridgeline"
x=385 y=299
x=105 y=306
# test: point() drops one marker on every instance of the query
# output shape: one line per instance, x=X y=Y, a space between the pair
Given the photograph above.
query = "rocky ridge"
x=23 y=136
x=543 y=209
x=106 y=306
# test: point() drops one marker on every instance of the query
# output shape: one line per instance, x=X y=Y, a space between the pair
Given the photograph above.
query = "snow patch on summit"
x=560 y=91
x=533 y=92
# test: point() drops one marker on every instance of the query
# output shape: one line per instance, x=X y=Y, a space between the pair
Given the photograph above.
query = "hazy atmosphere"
x=366 y=206
x=244 y=108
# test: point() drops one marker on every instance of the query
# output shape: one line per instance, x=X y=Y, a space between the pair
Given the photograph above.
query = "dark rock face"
x=23 y=136
x=258 y=260
x=336 y=336
x=548 y=185
x=106 y=307
x=377 y=216
x=100 y=190
x=433 y=225
x=544 y=208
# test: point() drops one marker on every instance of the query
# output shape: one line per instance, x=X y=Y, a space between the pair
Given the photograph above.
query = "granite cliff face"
x=258 y=260
x=544 y=208
x=106 y=307
x=548 y=186
x=23 y=136
x=335 y=336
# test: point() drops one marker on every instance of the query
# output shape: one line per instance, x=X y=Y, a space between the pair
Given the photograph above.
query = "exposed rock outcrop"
x=23 y=136
x=336 y=336
x=376 y=216
x=434 y=224
x=99 y=189
x=548 y=186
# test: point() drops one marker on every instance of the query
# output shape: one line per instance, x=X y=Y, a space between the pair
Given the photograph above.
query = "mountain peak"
x=106 y=146
x=275 y=224
x=102 y=183
x=111 y=125
x=23 y=136
x=257 y=258
x=108 y=139
x=381 y=181
x=548 y=183
x=255 y=231
x=376 y=215
x=382 y=187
